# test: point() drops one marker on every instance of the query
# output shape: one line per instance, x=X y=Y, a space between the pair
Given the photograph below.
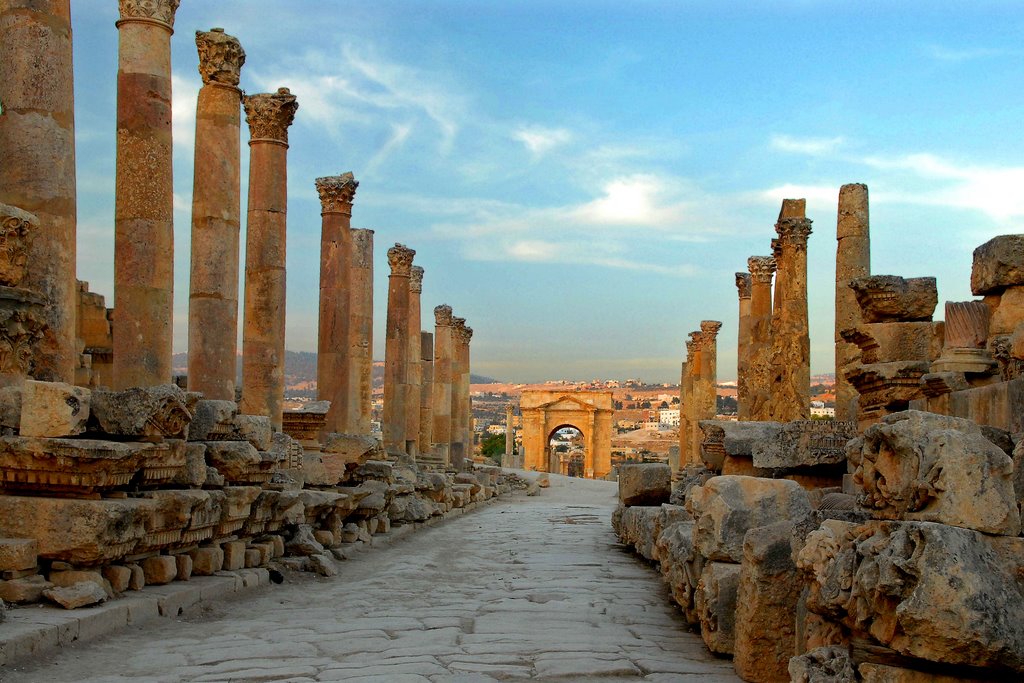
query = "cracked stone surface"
x=532 y=588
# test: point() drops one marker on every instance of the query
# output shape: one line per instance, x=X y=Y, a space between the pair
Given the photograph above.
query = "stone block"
x=10 y=407
x=715 y=602
x=207 y=561
x=68 y=465
x=194 y=472
x=256 y=430
x=53 y=409
x=645 y=484
x=252 y=558
x=375 y=470
x=927 y=467
x=183 y=565
x=891 y=298
x=635 y=526
x=65 y=579
x=805 y=443
x=932 y=591
x=323 y=564
x=234 y=555
x=17 y=554
x=138 y=580
x=766 y=606
x=1008 y=312
x=82 y=532
x=142 y=412
x=213 y=421
x=998 y=263
x=881 y=673
x=726 y=507
x=238 y=462
x=80 y=594
x=25 y=590
x=740 y=438
x=324 y=537
x=681 y=566
x=278 y=543
x=118 y=577
x=896 y=341
x=822 y=665
x=159 y=569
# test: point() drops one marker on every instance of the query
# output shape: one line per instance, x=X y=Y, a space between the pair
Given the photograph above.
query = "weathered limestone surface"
x=644 y=484
x=396 y=349
x=822 y=665
x=158 y=411
x=37 y=168
x=144 y=196
x=938 y=592
x=726 y=507
x=462 y=411
x=441 y=397
x=891 y=298
x=53 y=409
x=426 y=421
x=743 y=285
x=216 y=219
x=268 y=116
x=998 y=264
x=334 y=348
x=762 y=270
x=715 y=603
x=853 y=260
x=803 y=443
x=414 y=373
x=361 y=332
x=935 y=468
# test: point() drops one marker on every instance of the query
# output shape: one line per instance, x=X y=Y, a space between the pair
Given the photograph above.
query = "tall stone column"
x=762 y=270
x=743 y=284
x=684 y=422
x=216 y=216
x=144 y=196
x=694 y=394
x=709 y=368
x=37 y=166
x=414 y=372
x=510 y=436
x=441 y=397
x=468 y=426
x=458 y=447
x=360 y=401
x=396 y=349
x=791 y=343
x=780 y=275
x=269 y=115
x=334 y=353
x=853 y=260
x=426 y=420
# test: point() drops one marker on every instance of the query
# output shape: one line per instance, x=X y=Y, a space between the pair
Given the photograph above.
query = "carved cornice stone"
x=220 y=57
x=762 y=268
x=155 y=11
x=443 y=315
x=269 y=115
x=416 y=279
x=337 y=192
x=362 y=247
x=17 y=232
x=743 y=284
x=709 y=332
x=400 y=259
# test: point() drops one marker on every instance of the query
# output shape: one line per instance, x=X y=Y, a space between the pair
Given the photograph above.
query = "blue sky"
x=582 y=179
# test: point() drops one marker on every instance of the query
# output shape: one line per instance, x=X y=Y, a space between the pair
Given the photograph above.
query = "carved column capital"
x=461 y=332
x=269 y=115
x=794 y=231
x=220 y=57
x=160 y=12
x=17 y=232
x=709 y=331
x=400 y=259
x=762 y=268
x=743 y=284
x=443 y=315
x=337 y=192
x=416 y=279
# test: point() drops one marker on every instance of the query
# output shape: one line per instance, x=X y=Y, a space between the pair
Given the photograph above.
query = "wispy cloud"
x=568 y=252
x=184 y=93
x=541 y=140
x=956 y=55
x=399 y=134
x=638 y=200
x=809 y=146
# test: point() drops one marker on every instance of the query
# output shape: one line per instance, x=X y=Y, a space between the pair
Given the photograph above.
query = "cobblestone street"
x=527 y=588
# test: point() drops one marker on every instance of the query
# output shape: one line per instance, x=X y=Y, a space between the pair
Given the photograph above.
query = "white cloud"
x=808 y=146
x=632 y=200
x=184 y=93
x=541 y=140
x=963 y=54
x=568 y=252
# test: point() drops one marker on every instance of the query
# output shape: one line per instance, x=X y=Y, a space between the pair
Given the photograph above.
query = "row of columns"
x=451 y=404
x=697 y=390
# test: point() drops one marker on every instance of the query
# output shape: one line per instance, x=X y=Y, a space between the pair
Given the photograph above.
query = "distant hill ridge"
x=300 y=366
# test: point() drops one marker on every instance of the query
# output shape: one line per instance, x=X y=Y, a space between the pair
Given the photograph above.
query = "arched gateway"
x=545 y=412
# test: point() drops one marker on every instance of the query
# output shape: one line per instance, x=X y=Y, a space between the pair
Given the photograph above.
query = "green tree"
x=493 y=444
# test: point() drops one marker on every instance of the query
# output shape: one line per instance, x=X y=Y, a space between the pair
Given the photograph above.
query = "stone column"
x=426 y=391
x=791 y=343
x=468 y=426
x=743 y=284
x=37 y=166
x=441 y=395
x=414 y=371
x=458 y=447
x=396 y=349
x=22 y=311
x=708 y=405
x=853 y=260
x=684 y=421
x=360 y=401
x=334 y=353
x=269 y=115
x=510 y=436
x=693 y=393
x=762 y=270
x=780 y=275
x=144 y=196
x=216 y=216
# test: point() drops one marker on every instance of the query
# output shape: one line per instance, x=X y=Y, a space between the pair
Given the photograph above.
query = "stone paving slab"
x=527 y=589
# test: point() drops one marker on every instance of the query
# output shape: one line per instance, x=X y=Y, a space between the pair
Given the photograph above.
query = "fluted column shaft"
x=426 y=421
x=37 y=165
x=360 y=402
x=396 y=350
x=216 y=216
x=441 y=395
x=144 y=197
x=414 y=372
x=263 y=331
x=853 y=260
x=333 y=348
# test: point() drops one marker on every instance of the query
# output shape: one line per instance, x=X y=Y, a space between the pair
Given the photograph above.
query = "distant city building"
x=820 y=410
x=669 y=418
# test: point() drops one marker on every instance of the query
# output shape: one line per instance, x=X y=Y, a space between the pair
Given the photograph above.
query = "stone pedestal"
x=360 y=332
x=144 y=196
x=966 y=334
x=334 y=350
x=396 y=349
x=414 y=373
x=441 y=398
x=269 y=116
x=216 y=215
x=426 y=421
x=37 y=165
x=762 y=270
x=853 y=260
x=743 y=285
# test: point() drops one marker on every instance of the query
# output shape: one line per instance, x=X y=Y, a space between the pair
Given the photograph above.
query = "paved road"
x=534 y=588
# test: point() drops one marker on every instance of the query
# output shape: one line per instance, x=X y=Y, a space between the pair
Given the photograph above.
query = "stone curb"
x=36 y=630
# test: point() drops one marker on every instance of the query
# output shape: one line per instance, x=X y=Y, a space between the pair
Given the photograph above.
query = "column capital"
x=794 y=231
x=462 y=333
x=762 y=268
x=337 y=192
x=416 y=279
x=362 y=247
x=160 y=12
x=443 y=315
x=269 y=115
x=220 y=57
x=17 y=232
x=709 y=331
x=743 y=285
x=400 y=259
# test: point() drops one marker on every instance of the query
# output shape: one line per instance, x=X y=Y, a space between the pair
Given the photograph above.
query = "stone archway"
x=545 y=412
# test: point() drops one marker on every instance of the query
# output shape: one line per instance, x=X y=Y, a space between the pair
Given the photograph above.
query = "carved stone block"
x=53 y=409
x=891 y=298
x=805 y=443
x=68 y=465
x=645 y=484
x=998 y=263
x=162 y=411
